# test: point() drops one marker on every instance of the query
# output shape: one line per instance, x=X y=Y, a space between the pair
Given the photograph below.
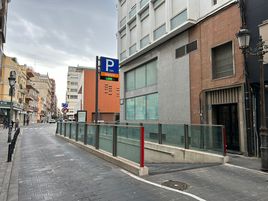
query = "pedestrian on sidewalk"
x=12 y=124
x=27 y=121
x=17 y=124
x=5 y=123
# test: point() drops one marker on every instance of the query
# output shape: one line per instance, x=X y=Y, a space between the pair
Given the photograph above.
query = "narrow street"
x=51 y=169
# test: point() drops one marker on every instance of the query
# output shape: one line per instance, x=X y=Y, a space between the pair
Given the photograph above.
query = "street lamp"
x=243 y=39
x=12 y=82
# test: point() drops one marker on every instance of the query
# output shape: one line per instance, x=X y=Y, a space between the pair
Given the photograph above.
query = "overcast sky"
x=50 y=35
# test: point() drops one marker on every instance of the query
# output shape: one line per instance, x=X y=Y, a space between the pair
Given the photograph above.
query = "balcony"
x=31 y=95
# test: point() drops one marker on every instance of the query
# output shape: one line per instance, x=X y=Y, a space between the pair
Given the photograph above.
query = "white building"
x=73 y=78
x=150 y=36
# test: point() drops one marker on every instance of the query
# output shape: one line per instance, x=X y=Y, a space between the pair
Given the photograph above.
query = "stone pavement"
x=5 y=168
x=52 y=169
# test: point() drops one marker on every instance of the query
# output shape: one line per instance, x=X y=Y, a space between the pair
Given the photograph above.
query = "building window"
x=222 y=61
x=142 y=107
x=178 y=19
x=143 y=2
x=130 y=80
x=145 y=41
x=186 y=49
x=74 y=83
x=141 y=77
x=73 y=97
x=159 y=31
x=132 y=49
x=132 y=12
x=191 y=47
x=214 y=2
x=140 y=113
x=130 y=109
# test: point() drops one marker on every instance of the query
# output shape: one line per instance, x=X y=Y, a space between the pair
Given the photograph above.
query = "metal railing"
x=200 y=137
x=126 y=141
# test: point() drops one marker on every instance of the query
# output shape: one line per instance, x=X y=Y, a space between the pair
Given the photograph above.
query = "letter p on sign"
x=109 y=64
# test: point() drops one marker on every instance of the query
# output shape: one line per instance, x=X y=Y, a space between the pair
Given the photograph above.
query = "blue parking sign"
x=109 y=65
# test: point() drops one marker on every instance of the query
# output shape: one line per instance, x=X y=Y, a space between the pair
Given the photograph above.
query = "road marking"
x=161 y=186
x=243 y=168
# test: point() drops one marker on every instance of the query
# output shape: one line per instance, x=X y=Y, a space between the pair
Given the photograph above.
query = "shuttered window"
x=222 y=61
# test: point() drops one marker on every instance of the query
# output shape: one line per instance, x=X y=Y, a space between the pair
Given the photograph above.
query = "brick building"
x=217 y=76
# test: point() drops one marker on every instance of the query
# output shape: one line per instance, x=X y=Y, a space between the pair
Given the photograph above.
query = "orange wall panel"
x=109 y=95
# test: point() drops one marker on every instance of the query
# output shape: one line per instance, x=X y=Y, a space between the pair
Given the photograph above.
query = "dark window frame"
x=226 y=69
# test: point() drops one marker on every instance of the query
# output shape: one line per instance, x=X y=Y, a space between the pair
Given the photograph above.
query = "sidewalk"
x=8 y=177
x=5 y=168
x=245 y=162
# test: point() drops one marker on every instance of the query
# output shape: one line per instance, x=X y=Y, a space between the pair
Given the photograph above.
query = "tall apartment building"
x=180 y=63
x=43 y=84
x=11 y=64
x=3 y=21
x=73 y=78
x=31 y=99
x=54 y=100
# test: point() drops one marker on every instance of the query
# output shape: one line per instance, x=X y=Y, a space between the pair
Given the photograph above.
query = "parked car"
x=52 y=121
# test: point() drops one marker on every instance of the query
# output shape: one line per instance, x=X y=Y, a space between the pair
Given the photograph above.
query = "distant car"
x=52 y=121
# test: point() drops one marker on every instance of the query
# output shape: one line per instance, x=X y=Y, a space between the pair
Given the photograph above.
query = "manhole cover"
x=176 y=185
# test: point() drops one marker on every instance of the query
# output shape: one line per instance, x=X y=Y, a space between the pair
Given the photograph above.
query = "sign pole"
x=97 y=90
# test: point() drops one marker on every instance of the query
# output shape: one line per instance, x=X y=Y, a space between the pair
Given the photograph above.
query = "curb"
x=10 y=183
x=13 y=190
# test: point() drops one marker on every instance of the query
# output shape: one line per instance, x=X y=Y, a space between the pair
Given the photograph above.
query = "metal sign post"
x=97 y=90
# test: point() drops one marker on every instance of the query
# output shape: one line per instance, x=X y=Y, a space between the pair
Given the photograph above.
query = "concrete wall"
x=173 y=81
x=155 y=153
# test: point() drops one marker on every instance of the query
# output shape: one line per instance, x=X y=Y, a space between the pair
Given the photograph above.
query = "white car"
x=52 y=121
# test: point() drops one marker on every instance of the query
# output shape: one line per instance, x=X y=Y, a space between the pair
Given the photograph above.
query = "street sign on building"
x=64 y=105
x=109 y=69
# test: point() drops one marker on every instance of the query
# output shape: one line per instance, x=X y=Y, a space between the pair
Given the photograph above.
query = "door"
x=227 y=115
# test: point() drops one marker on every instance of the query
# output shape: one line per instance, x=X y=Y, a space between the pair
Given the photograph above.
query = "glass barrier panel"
x=173 y=135
x=106 y=138
x=57 y=128
x=206 y=138
x=91 y=134
x=73 y=131
x=63 y=129
x=81 y=132
x=128 y=143
x=151 y=132
x=68 y=127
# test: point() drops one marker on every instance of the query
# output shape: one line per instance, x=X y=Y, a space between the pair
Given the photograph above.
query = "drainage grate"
x=176 y=185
